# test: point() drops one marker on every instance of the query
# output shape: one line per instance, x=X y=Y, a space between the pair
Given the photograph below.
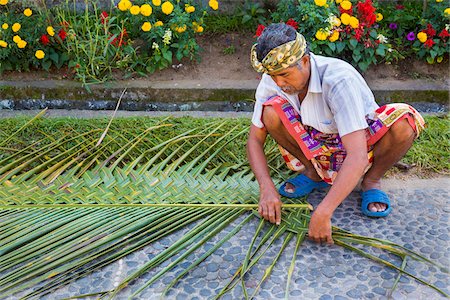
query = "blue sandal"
x=303 y=186
x=373 y=196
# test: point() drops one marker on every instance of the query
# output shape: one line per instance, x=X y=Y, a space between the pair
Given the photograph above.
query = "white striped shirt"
x=338 y=98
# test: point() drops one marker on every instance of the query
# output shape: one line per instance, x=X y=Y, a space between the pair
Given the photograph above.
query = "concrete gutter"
x=188 y=95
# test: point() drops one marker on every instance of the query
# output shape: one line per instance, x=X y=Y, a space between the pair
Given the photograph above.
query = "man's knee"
x=270 y=118
x=402 y=132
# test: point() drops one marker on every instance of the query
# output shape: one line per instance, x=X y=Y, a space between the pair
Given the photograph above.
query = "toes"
x=289 y=188
x=372 y=207
x=377 y=207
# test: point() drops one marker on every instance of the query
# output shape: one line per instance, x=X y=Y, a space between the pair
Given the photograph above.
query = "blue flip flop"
x=372 y=196
x=303 y=186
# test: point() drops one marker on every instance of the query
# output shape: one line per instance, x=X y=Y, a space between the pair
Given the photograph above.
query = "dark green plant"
x=252 y=14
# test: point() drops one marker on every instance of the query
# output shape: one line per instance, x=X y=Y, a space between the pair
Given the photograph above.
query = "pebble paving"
x=419 y=221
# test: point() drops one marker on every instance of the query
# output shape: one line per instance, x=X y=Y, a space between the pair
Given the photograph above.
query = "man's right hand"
x=270 y=205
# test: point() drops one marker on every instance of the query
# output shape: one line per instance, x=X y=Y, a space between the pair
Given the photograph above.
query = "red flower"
x=62 y=34
x=430 y=30
x=45 y=40
x=104 y=17
x=291 y=22
x=444 y=33
x=358 y=33
x=259 y=30
x=400 y=7
x=119 y=40
x=429 y=43
x=366 y=13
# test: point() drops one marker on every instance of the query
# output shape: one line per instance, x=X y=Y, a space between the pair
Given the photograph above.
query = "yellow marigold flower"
x=335 y=21
x=124 y=5
x=354 y=22
x=214 y=4
x=199 y=29
x=50 y=31
x=3 y=44
x=189 y=8
x=22 y=44
x=379 y=17
x=156 y=2
x=3 y=2
x=16 y=27
x=16 y=39
x=320 y=2
x=338 y=1
x=334 y=36
x=447 y=11
x=422 y=37
x=135 y=10
x=39 y=54
x=146 y=10
x=27 y=12
x=346 y=4
x=322 y=34
x=158 y=24
x=180 y=29
x=167 y=8
x=345 y=18
x=146 y=26
x=5 y=26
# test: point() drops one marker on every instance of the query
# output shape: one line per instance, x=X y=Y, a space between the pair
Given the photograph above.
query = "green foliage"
x=428 y=152
x=229 y=50
x=368 y=43
x=94 y=43
x=252 y=14
x=20 y=56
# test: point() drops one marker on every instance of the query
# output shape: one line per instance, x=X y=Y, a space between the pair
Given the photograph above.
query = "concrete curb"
x=188 y=95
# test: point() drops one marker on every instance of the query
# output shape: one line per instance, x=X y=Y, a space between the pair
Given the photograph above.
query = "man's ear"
x=305 y=61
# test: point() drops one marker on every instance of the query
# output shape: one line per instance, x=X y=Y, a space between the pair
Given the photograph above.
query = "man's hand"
x=320 y=228
x=270 y=205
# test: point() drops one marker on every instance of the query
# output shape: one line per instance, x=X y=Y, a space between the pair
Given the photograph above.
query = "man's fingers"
x=278 y=214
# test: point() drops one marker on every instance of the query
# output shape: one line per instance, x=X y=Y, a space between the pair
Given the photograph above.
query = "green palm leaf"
x=70 y=206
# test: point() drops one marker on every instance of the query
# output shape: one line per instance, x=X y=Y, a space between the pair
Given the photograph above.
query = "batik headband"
x=281 y=57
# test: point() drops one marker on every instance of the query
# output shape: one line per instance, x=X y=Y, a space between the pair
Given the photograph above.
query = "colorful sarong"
x=326 y=151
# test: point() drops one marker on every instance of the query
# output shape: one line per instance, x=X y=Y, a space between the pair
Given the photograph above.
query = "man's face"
x=295 y=79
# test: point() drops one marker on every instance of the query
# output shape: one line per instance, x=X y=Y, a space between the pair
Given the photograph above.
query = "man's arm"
x=348 y=176
x=269 y=200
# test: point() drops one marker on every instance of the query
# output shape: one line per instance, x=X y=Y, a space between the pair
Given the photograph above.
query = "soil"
x=226 y=57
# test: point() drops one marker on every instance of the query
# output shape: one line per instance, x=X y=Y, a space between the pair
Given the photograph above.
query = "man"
x=324 y=117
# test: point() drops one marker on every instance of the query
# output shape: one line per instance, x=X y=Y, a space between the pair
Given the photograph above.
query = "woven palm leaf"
x=70 y=206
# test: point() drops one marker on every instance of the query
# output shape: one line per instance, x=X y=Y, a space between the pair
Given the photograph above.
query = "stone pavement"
x=419 y=221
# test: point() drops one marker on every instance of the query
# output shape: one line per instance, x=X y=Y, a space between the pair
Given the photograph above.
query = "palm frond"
x=70 y=206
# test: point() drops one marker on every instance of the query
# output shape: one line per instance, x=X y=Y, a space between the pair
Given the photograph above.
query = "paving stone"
x=354 y=293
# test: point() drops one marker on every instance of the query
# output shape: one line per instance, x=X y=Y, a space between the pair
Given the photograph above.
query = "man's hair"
x=273 y=36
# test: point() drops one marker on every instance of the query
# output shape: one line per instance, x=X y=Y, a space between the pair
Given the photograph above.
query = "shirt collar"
x=315 y=85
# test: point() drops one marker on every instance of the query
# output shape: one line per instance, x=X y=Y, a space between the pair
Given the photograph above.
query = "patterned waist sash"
x=326 y=151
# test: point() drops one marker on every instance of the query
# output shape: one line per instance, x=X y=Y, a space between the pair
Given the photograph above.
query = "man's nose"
x=279 y=81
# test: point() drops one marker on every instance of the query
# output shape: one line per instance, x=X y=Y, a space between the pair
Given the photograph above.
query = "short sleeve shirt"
x=338 y=98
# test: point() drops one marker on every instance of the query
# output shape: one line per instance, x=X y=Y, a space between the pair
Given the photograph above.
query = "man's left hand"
x=320 y=228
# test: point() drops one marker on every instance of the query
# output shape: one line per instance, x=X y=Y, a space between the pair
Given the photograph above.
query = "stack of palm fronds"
x=72 y=203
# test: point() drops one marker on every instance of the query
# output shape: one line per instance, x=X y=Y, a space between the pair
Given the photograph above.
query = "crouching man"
x=326 y=122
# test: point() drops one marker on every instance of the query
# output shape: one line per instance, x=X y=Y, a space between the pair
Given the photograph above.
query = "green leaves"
x=69 y=207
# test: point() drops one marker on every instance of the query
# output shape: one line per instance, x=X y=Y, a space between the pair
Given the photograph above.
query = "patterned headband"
x=281 y=57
